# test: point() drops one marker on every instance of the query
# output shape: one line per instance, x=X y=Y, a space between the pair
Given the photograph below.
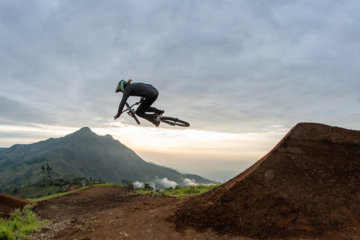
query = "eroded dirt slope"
x=9 y=203
x=308 y=186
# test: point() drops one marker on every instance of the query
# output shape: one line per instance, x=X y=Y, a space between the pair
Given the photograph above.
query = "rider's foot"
x=156 y=122
x=159 y=111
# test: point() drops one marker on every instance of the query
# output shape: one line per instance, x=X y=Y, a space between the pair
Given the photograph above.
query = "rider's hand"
x=142 y=99
x=116 y=116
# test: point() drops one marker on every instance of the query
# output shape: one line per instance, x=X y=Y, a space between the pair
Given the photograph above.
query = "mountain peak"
x=108 y=136
x=83 y=129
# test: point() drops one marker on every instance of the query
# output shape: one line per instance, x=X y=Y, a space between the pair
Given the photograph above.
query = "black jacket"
x=138 y=90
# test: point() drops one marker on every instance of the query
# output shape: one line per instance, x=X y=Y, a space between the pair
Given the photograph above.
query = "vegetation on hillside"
x=103 y=184
x=44 y=187
x=177 y=191
x=21 y=224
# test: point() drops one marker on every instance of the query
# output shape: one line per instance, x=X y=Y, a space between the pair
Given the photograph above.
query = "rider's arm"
x=123 y=101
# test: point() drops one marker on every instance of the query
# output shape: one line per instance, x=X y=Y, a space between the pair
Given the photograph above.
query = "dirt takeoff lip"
x=306 y=187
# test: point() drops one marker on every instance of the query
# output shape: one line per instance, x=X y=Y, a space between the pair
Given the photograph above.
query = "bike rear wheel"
x=174 y=122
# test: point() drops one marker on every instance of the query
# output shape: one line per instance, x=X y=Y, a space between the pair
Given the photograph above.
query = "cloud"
x=157 y=183
x=189 y=182
x=166 y=182
x=138 y=184
x=14 y=112
x=214 y=63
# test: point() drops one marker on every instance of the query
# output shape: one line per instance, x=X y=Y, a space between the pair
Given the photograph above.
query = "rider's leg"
x=155 y=110
x=140 y=111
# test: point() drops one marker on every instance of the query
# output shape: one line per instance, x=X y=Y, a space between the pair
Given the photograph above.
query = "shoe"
x=156 y=122
x=159 y=111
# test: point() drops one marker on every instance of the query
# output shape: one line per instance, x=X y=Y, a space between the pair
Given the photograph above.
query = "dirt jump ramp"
x=308 y=186
x=9 y=203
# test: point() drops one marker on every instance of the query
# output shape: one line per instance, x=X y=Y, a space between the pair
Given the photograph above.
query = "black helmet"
x=121 y=86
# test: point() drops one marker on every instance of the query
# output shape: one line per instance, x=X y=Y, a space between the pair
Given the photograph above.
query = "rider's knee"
x=139 y=113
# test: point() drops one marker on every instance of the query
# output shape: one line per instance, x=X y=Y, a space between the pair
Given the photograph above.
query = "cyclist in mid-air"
x=143 y=90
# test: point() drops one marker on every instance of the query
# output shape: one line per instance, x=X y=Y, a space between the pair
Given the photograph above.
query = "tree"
x=148 y=187
x=128 y=184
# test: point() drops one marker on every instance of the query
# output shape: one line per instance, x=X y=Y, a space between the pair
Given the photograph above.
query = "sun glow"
x=56 y=130
x=187 y=142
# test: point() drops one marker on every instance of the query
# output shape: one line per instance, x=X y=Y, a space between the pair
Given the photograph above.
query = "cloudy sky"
x=241 y=72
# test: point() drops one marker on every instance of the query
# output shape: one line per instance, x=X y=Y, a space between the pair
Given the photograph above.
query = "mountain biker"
x=148 y=94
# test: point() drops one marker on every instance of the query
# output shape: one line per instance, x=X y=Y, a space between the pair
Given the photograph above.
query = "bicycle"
x=168 y=120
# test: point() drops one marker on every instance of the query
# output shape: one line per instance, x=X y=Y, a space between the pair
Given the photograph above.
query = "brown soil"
x=73 y=188
x=9 y=203
x=308 y=187
x=114 y=213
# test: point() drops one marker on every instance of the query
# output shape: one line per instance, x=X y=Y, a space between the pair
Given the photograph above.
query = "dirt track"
x=114 y=213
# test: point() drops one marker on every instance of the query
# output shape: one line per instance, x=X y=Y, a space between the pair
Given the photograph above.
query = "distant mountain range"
x=81 y=154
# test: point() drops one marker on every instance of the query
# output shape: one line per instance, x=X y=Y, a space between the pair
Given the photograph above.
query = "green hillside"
x=80 y=154
x=37 y=192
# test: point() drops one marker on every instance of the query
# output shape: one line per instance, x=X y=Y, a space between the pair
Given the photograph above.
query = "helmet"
x=121 y=86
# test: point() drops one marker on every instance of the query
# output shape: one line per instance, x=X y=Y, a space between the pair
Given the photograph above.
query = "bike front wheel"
x=174 y=122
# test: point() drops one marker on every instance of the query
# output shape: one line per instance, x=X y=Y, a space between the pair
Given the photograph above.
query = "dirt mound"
x=9 y=203
x=307 y=186
x=73 y=188
x=112 y=213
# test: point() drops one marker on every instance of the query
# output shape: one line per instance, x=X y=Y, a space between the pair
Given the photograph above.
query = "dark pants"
x=145 y=106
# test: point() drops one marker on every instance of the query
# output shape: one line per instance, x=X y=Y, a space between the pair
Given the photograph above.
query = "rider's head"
x=121 y=86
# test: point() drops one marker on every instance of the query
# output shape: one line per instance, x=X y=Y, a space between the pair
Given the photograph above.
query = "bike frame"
x=168 y=120
x=131 y=111
x=130 y=107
